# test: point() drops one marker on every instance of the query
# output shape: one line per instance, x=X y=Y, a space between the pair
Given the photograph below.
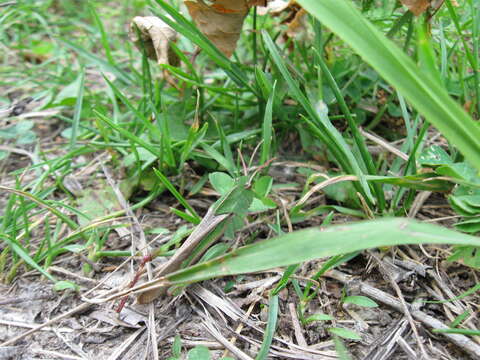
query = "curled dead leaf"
x=156 y=36
x=221 y=21
x=417 y=7
x=273 y=7
x=295 y=19
x=258 y=3
x=297 y=24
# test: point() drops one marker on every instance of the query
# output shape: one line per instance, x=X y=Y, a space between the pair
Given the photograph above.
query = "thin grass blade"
x=424 y=93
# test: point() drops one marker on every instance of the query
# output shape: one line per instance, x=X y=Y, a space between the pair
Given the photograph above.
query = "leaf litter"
x=217 y=310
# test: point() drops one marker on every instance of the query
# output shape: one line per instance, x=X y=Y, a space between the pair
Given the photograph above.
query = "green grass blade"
x=218 y=157
x=466 y=47
x=194 y=138
x=177 y=195
x=267 y=131
x=426 y=54
x=341 y=349
x=78 y=109
x=357 y=137
x=102 y=64
x=270 y=329
x=103 y=33
x=227 y=151
x=327 y=133
x=135 y=139
x=313 y=243
x=185 y=216
x=424 y=93
x=70 y=223
x=132 y=108
x=190 y=31
x=20 y=251
x=469 y=332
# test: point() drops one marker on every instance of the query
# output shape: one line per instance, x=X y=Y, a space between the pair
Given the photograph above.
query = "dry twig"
x=463 y=342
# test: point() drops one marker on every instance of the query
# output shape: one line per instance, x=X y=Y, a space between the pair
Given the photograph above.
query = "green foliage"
x=21 y=133
x=309 y=244
x=464 y=200
x=344 y=333
x=273 y=308
x=419 y=87
x=360 y=301
x=318 y=317
x=199 y=352
x=65 y=285
x=237 y=199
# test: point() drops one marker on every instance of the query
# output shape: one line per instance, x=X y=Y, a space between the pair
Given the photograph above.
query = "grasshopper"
x=235 y=202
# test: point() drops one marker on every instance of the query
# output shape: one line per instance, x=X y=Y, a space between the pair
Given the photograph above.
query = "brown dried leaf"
x=258 y=2
x=221 y=21
x=297 y=25
x=417 y=7
x=274 y=7
x=157 y=36
x=295 y=18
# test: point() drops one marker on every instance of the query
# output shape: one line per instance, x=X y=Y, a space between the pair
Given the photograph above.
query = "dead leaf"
x=128 y=318
x=274 y=7
x=417 y=7
x=295 y=17
x=297 y=25
x=157 y=37
x=258 y=3
x=221 y=21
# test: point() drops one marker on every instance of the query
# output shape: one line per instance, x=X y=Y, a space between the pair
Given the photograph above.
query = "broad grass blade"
x=312 y=243
x=423 y=92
